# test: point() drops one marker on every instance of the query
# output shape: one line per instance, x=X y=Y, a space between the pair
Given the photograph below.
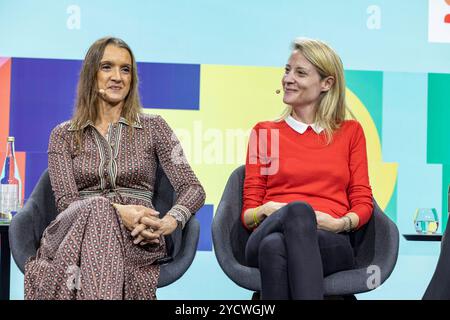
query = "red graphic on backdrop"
x=5 y=92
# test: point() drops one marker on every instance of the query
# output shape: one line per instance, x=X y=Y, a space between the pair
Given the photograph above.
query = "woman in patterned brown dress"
x=107 y=236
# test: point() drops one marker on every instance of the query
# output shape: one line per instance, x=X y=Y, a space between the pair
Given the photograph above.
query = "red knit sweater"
x=332 y=178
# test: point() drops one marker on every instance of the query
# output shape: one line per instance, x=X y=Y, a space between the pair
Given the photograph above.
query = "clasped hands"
x=144 y=223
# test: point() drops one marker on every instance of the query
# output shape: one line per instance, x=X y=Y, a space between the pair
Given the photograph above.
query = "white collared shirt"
x=301 y=127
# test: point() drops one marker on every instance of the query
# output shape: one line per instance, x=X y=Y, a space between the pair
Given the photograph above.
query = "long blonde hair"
x=87 y=91
x=332 y=107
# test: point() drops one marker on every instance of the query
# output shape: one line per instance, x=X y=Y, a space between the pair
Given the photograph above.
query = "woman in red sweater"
x=306 y=180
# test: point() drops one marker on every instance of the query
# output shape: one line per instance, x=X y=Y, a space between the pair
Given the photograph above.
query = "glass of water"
x=426 y=221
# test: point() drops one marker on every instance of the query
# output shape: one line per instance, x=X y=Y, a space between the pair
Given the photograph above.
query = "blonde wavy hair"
x=87 y=91
x=332 y=108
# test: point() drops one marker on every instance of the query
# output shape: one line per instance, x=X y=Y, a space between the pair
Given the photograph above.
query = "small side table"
x=5 y=262
x=423 y=237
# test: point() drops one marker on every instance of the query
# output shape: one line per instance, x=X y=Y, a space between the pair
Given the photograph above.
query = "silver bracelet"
x=348 y=227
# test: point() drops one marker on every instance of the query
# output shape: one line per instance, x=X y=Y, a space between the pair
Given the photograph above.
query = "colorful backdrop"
x=211 y=69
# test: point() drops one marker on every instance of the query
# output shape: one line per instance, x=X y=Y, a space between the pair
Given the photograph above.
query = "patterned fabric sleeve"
x=190 y=193
x=60 y=168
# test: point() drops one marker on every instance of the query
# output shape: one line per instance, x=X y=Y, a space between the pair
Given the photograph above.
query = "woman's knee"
x=300 y=213
x=300 y=206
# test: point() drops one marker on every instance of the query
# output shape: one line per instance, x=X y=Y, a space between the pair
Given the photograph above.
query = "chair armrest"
x=172 y=271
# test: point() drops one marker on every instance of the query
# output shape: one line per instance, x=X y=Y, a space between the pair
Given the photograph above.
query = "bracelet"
x=255 y=219
x=350 y=226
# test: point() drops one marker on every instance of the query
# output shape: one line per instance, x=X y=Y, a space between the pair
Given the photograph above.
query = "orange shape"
x=447 y=18
x=447 y=2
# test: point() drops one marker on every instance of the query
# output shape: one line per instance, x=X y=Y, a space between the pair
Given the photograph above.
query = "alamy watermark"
x=74 y=278
x=214 y=146
x=374 y=279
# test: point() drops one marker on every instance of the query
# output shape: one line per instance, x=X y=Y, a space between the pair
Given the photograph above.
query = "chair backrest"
x=230 y=236
x=43 y=204
x=238 y=233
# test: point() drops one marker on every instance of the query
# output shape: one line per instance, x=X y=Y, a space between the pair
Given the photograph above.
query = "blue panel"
x=170 y=86
x=36 y=163
x=204 y=216
x=42 y=95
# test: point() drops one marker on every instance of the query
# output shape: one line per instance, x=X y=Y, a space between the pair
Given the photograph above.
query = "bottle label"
x=9 y=198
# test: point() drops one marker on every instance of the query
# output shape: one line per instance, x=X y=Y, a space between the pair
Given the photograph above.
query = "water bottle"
x=10 y=185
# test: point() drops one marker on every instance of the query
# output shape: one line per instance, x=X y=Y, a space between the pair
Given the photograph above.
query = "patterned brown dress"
x=86 y=252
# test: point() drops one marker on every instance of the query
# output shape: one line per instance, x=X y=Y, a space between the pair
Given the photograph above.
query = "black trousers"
x=439 y=286
x=293 y=256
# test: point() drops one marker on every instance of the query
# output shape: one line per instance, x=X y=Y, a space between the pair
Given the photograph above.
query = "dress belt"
x=119 y=192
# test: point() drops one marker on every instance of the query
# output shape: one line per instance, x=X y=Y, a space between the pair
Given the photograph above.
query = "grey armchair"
x=29 y=223
x=376 y=244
